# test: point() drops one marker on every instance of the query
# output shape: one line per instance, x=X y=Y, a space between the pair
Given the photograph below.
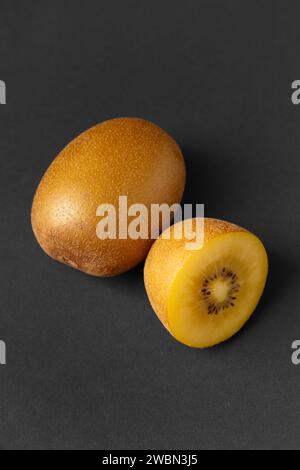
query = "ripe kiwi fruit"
x=124 y=156
x=203 y=297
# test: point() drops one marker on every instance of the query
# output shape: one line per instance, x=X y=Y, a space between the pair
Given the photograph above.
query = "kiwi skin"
x=122 y=156
x=158 y=287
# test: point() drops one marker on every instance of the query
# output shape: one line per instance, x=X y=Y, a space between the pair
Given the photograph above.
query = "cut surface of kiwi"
x=214 y=290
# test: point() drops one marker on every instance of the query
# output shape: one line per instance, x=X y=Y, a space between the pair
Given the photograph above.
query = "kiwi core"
x=220 y=291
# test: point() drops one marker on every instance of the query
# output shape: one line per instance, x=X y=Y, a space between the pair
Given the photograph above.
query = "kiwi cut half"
x=204 y=297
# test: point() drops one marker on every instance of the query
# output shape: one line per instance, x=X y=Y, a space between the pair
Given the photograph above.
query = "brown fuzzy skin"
x=124 y=156
x=166 y=258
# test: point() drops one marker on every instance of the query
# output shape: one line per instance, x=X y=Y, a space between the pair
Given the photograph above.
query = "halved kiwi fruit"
x=204 y=297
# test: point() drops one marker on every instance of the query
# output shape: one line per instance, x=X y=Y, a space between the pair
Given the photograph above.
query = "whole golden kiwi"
x=121 y=157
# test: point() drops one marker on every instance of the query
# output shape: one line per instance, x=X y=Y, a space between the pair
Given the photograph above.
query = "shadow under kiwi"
x=131 y=281
x=206 y=179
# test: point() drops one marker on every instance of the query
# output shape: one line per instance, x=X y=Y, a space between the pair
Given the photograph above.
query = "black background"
x=88 y=364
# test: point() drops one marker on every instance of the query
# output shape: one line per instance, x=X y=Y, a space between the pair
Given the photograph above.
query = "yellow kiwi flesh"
x=121 y=157
x=204 y=297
